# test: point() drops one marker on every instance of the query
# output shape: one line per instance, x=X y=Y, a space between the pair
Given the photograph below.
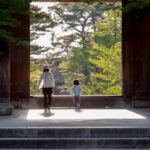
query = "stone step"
x=73 y=132
x=74 y=138
x=74 y=143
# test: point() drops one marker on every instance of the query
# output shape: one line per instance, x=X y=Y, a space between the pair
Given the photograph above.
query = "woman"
x=47 y=84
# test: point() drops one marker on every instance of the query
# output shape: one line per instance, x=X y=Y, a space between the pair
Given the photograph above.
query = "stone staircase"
x=74 y=138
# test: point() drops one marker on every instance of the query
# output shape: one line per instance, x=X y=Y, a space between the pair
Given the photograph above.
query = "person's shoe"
x=45 y=110
x=49 y=109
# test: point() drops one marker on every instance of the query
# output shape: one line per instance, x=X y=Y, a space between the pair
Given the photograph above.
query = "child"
x=76 y=93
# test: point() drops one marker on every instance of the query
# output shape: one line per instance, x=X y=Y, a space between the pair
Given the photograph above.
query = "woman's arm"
x=39 y=83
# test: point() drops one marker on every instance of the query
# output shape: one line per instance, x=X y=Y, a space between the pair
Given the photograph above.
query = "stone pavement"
x=125 y=118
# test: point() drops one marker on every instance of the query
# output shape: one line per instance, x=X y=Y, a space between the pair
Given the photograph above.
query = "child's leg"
x=78 y=101
x=74 y=100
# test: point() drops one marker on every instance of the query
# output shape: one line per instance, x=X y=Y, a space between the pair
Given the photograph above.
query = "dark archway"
x=14 y=63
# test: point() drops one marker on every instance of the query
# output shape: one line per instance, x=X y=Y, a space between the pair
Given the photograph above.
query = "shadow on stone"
x=47 y=114
x=78 y=110
x=5 y=107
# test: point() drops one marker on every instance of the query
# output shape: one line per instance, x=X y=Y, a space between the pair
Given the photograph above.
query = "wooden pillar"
x=4 y=70
x=20 y=60
x=143 y=53
x=136 y=53
x=128 y=53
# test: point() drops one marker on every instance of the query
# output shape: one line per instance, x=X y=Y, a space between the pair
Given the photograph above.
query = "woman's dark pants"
x=47 y=92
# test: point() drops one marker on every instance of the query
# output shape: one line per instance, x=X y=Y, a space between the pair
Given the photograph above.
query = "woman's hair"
x=45 y=70
x=76 y=82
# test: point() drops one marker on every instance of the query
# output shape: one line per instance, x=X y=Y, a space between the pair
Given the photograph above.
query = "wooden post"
x=136 y=55
x=20 y=60
x=4 y=70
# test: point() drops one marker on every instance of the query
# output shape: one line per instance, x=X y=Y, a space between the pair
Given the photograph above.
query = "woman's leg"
x=50 y=91
x=45 y=99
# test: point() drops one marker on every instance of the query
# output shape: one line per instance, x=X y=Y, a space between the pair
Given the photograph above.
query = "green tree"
x=104 y=31
x=78 y=19
x=105 y=55
x=8 y=11
x=41 y=22
x=107 y=77
x=35 y=73
x=85 y=63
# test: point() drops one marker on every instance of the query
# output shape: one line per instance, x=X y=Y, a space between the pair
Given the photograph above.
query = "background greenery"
x=100 y=51
x=95 y=58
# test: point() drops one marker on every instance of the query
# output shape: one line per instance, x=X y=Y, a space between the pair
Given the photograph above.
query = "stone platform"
x=123 y=118
x=74 y=129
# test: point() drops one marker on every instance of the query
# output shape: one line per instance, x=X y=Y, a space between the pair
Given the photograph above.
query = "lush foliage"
x=92 y=50
x=35 y=72
x=8 y=9
x=98 y=63
x=95 y=59
x=41 y=23
x=105 y=55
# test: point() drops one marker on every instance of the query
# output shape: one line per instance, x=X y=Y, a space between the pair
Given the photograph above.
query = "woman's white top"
x=46 y=80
